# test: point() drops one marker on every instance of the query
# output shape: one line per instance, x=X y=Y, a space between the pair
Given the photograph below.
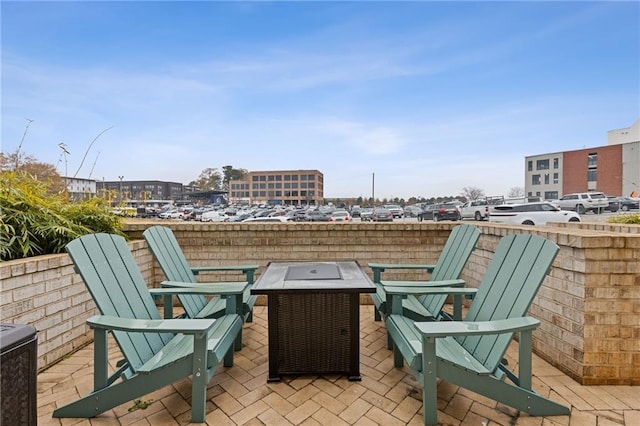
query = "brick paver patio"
x=386 y=395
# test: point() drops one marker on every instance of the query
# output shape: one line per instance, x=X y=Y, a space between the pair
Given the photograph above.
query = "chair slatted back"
x=113 y=279
x=165 y=248
x=454 y=256
x=508 y=288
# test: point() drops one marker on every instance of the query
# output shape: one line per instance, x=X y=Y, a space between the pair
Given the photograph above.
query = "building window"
x=542 y=164
x=546 y=179
x=279 y=178
x=555 y=178
x=592 y=175
x=287 y=177
x=592 y=160
x=535 y=180
x=551 y=195
x=294 y=177
x=529 y=165
x=254 y=178
x=311 y=177
x=303 y=177
x=271 y=178
x=556 y=162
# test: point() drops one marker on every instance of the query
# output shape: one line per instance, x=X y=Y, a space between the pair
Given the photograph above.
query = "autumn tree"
x=44 y=172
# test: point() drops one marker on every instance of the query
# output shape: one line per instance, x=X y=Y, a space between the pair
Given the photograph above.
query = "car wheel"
x=624 y=208
x=580 y=209
x=574 y=219
x=528 y=222
x=478 y=216
x=613 y=209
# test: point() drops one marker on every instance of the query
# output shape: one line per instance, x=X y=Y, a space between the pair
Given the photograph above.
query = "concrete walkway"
x=386 y=395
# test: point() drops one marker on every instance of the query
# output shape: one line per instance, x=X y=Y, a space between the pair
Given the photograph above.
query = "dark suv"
x=438 y=212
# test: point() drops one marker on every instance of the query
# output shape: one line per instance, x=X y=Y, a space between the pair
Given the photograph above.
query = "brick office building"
x=279 y=187
x=613 y=168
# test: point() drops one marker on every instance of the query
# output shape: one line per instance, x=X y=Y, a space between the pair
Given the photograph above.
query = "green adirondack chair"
x=469 y=353
x=156 y=351
x=165 y=248
x=445 y=272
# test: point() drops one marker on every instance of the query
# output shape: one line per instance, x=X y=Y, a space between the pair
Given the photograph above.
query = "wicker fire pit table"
x=313 y=317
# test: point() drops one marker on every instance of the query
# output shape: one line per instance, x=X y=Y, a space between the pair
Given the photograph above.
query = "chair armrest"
x=378 y=268
x=383 y=266
x=241 y=268
x=461 y=328
x=399 y=291
x=423 y=284
x=247 y=270
x=184 y=326
x=178 y=288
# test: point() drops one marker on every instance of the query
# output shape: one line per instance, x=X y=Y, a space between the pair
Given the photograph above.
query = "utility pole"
x=373 y=187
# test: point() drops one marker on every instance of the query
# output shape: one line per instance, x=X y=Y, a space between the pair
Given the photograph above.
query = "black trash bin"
x=18 y=365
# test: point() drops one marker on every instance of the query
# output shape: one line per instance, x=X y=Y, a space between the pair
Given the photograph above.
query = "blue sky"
x=429 y=96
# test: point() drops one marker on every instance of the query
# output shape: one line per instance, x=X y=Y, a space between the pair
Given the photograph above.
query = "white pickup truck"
x=475 y=209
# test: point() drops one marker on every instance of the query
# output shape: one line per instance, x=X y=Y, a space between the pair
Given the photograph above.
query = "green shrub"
x=627 y=218
x=34 y=221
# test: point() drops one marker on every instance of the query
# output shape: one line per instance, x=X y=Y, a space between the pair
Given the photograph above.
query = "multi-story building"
x=613 y=169
x=79 y=188
x=280 y=187
x=140 y=190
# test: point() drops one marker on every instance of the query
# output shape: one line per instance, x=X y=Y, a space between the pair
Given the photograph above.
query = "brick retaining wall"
x=589 y=306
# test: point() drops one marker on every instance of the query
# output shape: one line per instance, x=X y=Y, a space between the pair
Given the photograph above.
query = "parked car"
x=171 y=214
x=355 y=211
x=381 y=214
x=624 y=203
x=340 y=216
x=276 y=219
x=297 y=215
x=582 y=202
x=214 y=216
x=316 y=216
x=474 y=209
x=395 y=210
x=531 y=214
x=438 y=212
x=365 y=214
x=614 y=205
x=412 y=211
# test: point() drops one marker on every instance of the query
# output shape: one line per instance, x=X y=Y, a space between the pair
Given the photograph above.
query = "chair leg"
x=199 y=379
x=429 y=382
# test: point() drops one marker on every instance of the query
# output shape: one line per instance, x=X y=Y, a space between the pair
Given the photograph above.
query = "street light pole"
x=121 y=177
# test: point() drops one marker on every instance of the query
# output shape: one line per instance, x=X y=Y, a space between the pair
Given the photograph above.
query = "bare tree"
x=472 y=193
x=516 y=192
